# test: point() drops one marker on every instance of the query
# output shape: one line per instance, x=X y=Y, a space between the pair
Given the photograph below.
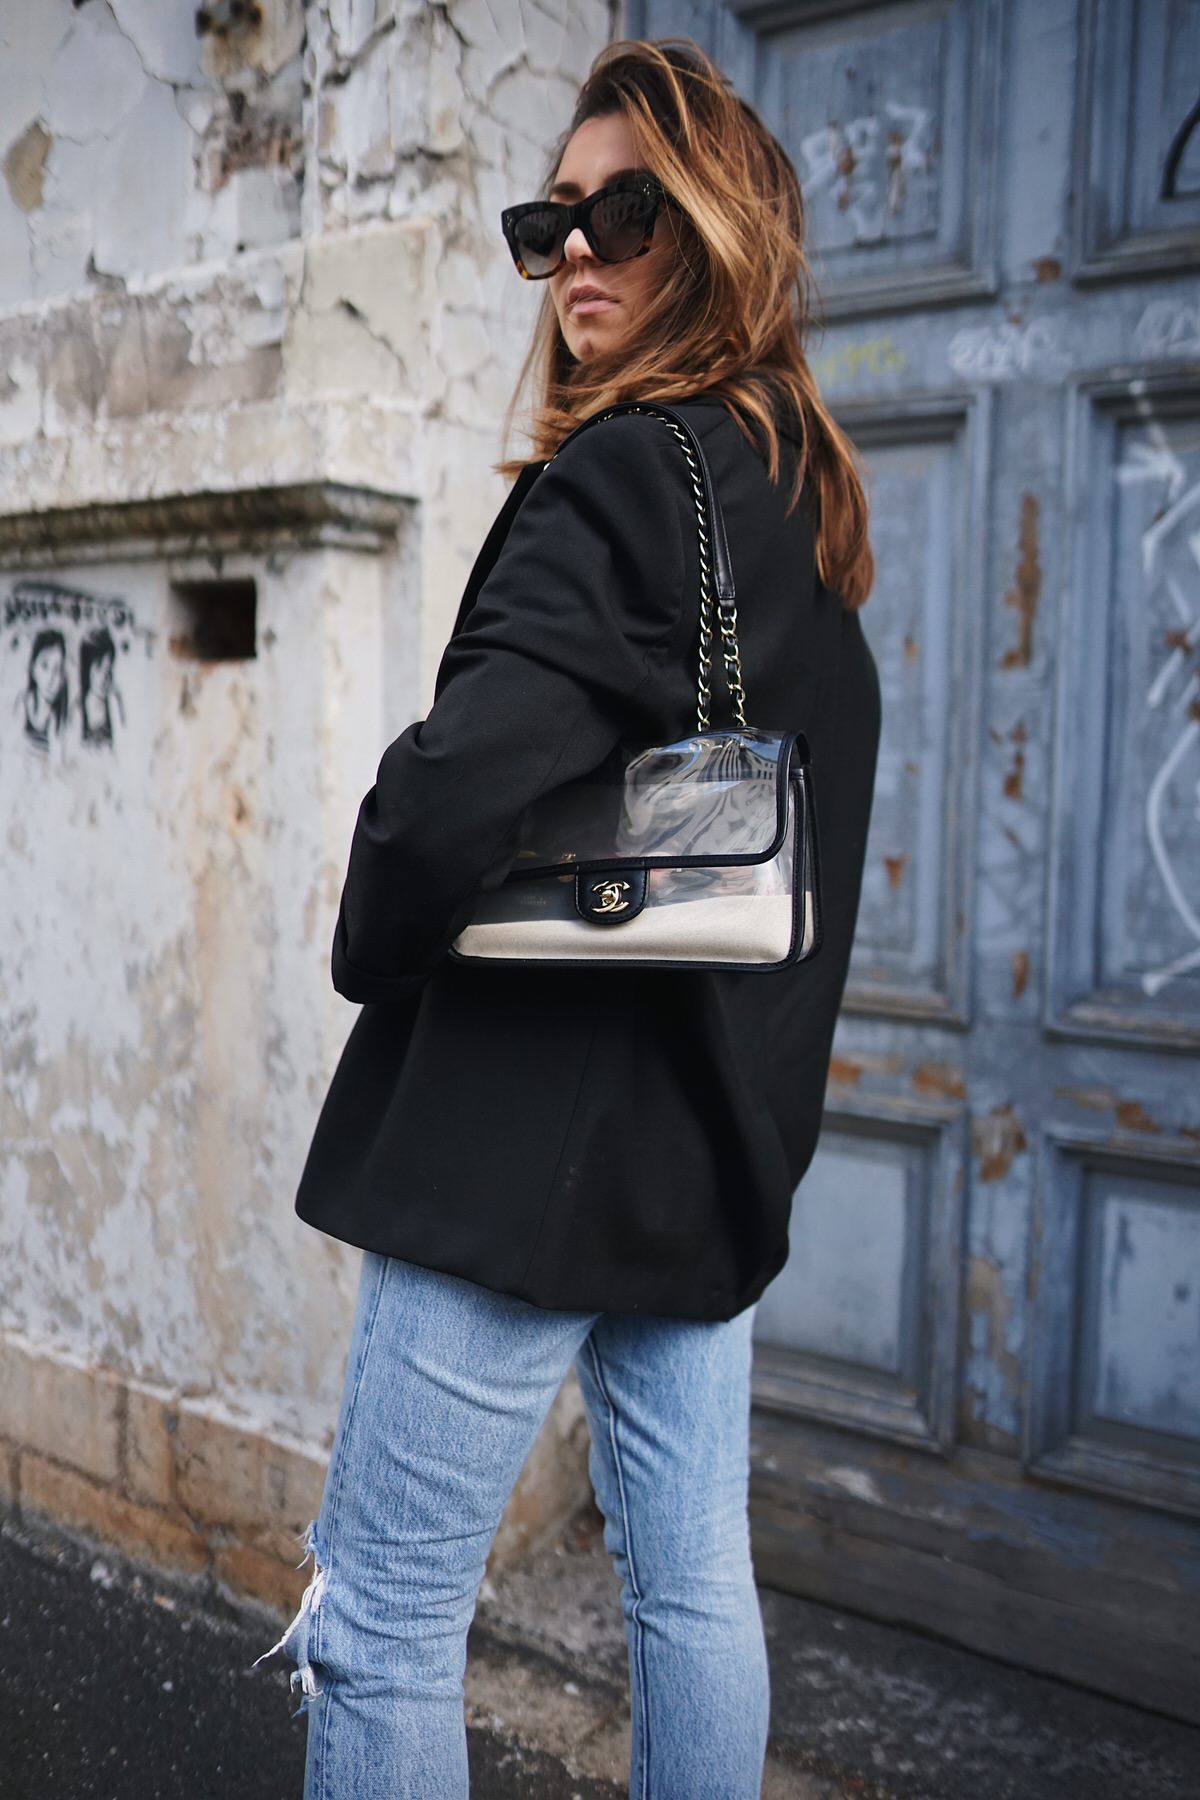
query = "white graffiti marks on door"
x=1007 y=352
x=866 y=164
x=1170 y=555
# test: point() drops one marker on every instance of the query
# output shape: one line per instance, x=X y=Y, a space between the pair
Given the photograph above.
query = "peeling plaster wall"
x=223 y=225
x=164 y=974
x=228 y=268
x=445 y=113
x=131 y=144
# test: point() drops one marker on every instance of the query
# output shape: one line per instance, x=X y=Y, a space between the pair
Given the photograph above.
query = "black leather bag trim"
x=810 y=843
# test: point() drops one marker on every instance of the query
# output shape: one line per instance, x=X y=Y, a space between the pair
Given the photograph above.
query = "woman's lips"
x=591 y=303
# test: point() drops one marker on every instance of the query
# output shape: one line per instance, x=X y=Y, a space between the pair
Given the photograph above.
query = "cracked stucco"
x=25 y=167
x=312 y=221
x=156 y=157
x=234 y=266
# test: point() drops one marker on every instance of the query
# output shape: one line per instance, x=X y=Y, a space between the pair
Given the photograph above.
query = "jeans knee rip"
x=310 y=1600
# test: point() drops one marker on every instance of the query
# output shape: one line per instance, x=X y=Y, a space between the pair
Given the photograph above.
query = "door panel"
x=1128 y=806
x=861 y=1329
x=1138 y=152
x=912 y=943
x=881 y=112
x=1115 y=1374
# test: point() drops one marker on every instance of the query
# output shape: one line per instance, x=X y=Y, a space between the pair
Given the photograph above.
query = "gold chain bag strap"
x=699 y=854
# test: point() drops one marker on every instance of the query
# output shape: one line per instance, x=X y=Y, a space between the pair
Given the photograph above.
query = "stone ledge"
x=375 y=445
x=299 y=514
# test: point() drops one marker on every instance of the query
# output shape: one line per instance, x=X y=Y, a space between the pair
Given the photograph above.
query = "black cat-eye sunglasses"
x=617 y=221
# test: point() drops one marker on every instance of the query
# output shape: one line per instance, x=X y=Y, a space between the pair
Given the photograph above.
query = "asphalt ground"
x=115 y=1685
x=119 y=1684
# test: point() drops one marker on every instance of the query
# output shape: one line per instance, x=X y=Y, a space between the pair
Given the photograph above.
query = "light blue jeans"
x=446 y=1386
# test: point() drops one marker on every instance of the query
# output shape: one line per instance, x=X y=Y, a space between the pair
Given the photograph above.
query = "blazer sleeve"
x=543 y=680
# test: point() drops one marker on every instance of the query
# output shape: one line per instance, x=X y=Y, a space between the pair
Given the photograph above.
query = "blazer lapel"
x=494 y=541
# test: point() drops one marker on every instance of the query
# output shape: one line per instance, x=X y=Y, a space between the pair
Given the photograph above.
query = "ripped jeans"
x=447 y=1384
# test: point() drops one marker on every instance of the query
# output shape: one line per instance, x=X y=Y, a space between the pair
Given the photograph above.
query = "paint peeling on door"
x=997 y=1137
x=1026 y=590
x=1131 y=1115
x=940 y=1078
x=1020 y=972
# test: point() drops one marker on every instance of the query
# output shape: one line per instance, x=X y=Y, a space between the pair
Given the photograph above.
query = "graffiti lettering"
x=37 y=601
x=1168 y=328
x=870 y=356
x=1003 y=352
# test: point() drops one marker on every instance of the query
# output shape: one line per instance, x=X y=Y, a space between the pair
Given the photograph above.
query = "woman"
x=547 y=1165
x=97 y=691
x=44 y=699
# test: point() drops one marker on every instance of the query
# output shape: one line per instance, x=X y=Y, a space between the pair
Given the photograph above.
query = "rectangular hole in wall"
x=216 y=619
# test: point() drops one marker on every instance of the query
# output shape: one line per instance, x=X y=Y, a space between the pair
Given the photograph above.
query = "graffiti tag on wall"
x=64 y=647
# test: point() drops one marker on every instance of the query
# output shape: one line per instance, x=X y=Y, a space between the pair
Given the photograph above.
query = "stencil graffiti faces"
x=63 y=652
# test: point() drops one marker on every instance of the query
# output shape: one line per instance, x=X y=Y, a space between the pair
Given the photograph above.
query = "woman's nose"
x=576 y=246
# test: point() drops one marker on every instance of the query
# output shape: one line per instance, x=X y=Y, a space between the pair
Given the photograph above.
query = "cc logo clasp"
x=610 y=893
x=610 y=897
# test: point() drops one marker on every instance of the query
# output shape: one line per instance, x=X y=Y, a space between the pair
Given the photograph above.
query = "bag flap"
x=714 y=797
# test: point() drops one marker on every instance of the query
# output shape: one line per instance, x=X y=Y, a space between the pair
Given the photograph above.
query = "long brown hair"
x=737 y=304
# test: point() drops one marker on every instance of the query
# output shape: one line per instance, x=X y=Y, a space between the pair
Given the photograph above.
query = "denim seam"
x=639 y=1633
x=337 y=1489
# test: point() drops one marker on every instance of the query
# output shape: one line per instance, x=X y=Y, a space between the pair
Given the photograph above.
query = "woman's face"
x=47 y=672
x=598 y=151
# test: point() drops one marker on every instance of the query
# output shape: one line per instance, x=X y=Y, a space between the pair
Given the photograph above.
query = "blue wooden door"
x=978 y=1377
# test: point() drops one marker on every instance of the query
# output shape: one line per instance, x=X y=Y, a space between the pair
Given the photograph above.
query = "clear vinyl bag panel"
x=719 y=794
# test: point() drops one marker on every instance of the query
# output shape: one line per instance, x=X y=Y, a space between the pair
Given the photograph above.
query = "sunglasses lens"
x=619 y=223
x=539 y=238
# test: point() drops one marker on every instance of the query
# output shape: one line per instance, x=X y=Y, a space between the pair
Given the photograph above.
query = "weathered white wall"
x=167 y=1023
x=256 y=318
x=131 y=144
x=360 y=151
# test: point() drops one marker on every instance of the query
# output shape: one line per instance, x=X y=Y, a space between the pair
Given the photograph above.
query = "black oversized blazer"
x=592 y=1139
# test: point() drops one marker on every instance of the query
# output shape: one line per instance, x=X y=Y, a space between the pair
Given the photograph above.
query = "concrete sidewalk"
x=121 y=1686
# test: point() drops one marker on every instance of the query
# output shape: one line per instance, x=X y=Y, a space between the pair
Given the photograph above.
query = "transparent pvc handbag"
x=698 y=854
